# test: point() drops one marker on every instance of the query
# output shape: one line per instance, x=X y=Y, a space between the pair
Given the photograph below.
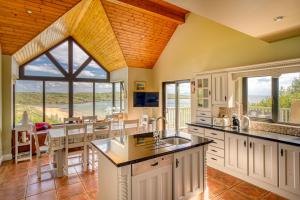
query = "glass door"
x=203 y=92
x=177 y=104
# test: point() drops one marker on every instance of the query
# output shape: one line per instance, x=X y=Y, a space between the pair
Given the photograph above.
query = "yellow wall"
x=201 y=44
x=9 y=72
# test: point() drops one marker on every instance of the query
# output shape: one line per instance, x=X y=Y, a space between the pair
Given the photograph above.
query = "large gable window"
x=64 y=81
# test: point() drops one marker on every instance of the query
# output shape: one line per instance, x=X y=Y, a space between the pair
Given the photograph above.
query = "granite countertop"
x=130 y=149
x=287 y=139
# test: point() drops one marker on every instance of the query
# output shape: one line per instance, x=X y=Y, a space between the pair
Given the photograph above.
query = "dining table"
x=56 y=141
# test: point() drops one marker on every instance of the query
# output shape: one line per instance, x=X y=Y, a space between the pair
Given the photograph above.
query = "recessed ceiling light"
x=278 y=18
x=29 y=11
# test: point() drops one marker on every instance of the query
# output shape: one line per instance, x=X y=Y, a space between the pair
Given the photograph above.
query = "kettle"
x=245 y=122
x=235 y=122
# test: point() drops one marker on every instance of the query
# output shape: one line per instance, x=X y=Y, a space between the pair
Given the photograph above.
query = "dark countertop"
x=130 y=149
x=287 y=139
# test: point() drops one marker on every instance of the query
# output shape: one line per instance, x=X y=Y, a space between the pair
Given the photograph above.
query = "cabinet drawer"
x=200 y=113
x=146 y=166
x=204 y=120
x=215 y=151
x=214 y=159
x=195 y=129
x=214 y=134
x=217 y=143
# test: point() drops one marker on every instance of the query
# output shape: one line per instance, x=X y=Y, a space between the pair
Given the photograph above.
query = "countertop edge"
x=246 y=134
x=150 y=157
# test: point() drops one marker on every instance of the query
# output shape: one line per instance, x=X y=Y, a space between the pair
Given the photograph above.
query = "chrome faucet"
x=156 y=133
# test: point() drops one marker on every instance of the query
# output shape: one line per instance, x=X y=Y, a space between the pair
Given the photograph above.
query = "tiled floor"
x=20 y=182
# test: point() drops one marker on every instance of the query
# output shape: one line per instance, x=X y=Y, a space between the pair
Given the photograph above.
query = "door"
x=153 y=185
x=263 y=158
x=189 y=173
x=219 y=88
x=203 y=87
x=289 y=169
x=236 y=154
x=177 y=104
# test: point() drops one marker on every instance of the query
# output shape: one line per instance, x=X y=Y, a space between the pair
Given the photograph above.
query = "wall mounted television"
x=145 y=99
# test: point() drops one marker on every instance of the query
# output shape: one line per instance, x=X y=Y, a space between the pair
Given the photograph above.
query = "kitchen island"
x=140 y=167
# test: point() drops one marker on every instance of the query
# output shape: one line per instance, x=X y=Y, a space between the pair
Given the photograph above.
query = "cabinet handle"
x=154 y=164
x=177 y=163
x=209 y=92
x=281 y=152
x=250 y=145
x=225 y=98
x=214 y=150
x=213 y=159
x=245 y=143
x=213 y=133
x=202 y=120
x=195 y=129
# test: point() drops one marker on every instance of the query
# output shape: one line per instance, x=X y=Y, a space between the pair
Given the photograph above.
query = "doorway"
x=177 y=104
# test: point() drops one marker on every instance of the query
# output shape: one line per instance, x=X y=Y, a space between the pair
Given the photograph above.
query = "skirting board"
x=7 y=157
x=257 y=183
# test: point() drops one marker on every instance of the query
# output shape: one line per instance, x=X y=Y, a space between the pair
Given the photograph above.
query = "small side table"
x=27 y=155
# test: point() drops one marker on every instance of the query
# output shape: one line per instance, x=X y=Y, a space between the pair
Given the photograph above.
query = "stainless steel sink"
x=175 y=140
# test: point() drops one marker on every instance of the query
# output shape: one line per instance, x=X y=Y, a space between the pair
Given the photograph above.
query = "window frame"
x=69 y=76
x=275 y=102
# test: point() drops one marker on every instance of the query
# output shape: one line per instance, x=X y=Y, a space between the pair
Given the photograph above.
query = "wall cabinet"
x=189 y=173
x=236 y=153
x=263 y=158
x=220 y=88
x=152 y=180
x=203 y=90
x=289 y=169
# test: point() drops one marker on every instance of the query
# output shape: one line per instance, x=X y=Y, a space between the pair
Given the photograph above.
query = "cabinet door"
x=203 y=92
x=236 y=153
x=189 y=173
x=263 y=158
x=153 y=185
x=289 y=169
x=219 y=88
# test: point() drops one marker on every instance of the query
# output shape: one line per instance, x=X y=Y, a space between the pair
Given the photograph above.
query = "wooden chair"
x=101 y=130
x=131 y=126
x=75 y=144
x=89 y=119
x=23 y=155
x=72 y=120
x=39 y=150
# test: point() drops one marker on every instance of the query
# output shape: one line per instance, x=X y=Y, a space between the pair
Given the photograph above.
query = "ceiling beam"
x=153 y=8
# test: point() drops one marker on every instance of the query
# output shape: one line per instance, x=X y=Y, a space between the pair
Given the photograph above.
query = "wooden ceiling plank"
x=148 y=7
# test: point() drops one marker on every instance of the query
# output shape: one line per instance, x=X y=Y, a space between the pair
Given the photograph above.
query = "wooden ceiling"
x=22 y=20
x=118 y=33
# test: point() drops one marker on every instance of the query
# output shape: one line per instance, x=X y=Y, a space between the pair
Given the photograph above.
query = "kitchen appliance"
x=235 y=122
x=221 y=121
x=245 y=122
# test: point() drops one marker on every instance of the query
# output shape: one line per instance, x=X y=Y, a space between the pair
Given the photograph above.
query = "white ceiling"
x=253 y=17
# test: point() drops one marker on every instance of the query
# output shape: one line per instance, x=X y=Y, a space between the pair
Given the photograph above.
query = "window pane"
x=289 y=98
x=103 y=98
x=29 y=97
x=79 y=56
x=42 y=66
x=57 y=101
x=83 y=99
x=93 y=71
x=61 y=54
x=260 y=97
x=117 y=107
x=184 y=104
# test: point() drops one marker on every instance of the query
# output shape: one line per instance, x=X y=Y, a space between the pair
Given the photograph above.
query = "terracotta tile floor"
x=19 y=182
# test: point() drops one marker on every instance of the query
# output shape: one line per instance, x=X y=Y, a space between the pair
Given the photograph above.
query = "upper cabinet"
x=203 y=90
x=220 y=88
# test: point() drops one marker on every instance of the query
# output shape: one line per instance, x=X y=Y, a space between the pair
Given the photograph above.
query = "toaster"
x=221 y=121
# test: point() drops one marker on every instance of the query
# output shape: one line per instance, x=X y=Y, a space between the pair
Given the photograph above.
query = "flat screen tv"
x=146 y=99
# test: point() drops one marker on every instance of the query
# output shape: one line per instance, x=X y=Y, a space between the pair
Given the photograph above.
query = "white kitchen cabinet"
x=289 y=169
x=189 y=173
x=152 y=180
x=203 y=90
x=263 y=160
x=236 y=153
x=220 y=88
